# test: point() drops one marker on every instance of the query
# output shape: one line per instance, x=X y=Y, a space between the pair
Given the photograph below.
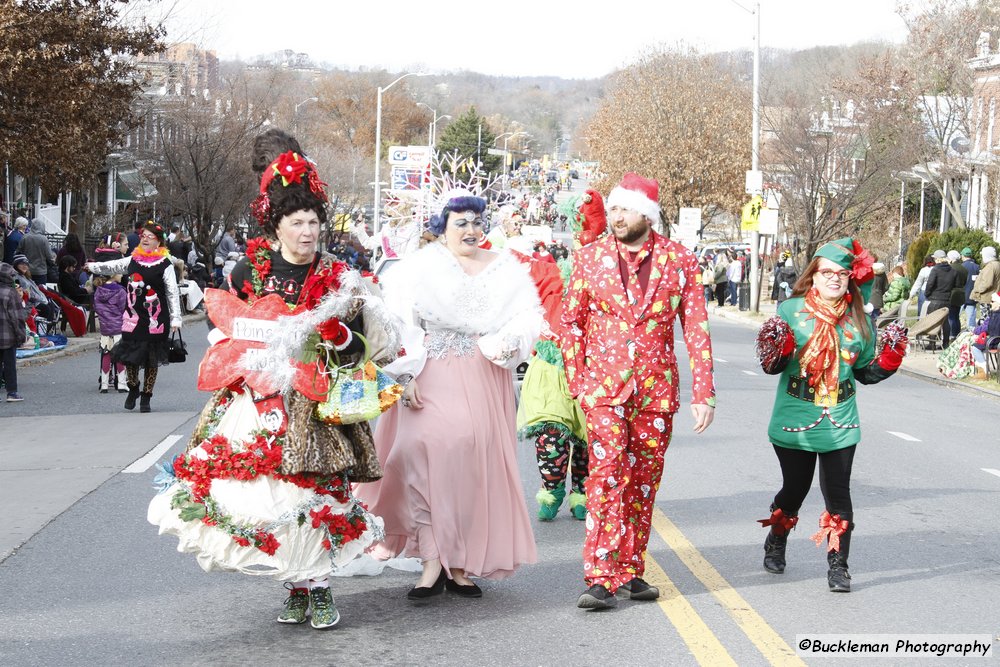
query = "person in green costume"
x=822 y=343
x=547 y=413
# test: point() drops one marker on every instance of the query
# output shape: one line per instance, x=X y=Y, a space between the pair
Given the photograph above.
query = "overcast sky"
x=518 y=37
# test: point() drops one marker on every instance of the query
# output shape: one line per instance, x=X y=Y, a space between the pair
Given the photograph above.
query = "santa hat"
x=637 y=194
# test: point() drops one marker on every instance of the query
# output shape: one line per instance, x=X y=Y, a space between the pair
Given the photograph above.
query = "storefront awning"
x=131 y=186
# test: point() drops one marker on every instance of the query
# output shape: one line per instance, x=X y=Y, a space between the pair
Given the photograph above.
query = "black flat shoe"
x=423 y=593
x=467 y=591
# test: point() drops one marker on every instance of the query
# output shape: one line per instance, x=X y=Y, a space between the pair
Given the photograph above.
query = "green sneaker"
x=578 y=505
x=296 y=606
x=549 y=502
x=324 y=612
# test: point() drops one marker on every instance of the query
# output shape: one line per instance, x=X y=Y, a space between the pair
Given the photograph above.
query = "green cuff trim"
x=549 y=352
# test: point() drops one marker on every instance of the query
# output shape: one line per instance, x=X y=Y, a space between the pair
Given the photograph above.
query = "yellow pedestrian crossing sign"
x=750 y=220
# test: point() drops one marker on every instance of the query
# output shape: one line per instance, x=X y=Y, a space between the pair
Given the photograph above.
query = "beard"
x=630 y=234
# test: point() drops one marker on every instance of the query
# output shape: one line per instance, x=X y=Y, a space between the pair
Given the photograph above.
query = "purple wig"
x=437 y=223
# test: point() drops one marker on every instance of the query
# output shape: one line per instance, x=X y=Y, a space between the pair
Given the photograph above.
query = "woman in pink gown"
x=451 y=494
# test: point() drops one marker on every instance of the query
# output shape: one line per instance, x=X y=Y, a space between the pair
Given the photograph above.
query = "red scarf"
x=820 y=358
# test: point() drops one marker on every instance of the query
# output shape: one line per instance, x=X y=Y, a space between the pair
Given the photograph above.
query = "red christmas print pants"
x=626 y=463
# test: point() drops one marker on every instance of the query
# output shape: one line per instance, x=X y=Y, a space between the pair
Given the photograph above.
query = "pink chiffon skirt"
x=451 y=488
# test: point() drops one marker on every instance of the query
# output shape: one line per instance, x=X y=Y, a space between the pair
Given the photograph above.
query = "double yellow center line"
x=702 y=642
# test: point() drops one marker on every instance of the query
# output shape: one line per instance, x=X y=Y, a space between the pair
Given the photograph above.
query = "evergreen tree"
x=470 y=137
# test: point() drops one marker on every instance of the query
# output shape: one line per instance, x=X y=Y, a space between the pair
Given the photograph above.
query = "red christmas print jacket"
x=615 y=349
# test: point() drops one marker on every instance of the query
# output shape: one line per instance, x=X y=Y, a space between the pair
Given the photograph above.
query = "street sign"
x=755 y=182
x=750 y=218
x=768 y=221
x=410 y=156
x=688 y=225
x=495 y=151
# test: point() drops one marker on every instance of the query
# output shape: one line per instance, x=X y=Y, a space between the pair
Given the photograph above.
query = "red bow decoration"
x=220 y=366
x=781 y=522
x=861 y=267
x=831 y=527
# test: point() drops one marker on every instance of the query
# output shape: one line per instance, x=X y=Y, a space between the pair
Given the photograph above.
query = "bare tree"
x=676 y=117
x=204 y=158
x=837 y=158
x=942 y=39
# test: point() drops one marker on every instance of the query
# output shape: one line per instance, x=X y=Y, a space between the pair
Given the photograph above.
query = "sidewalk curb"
x=86 y=343
x=912 y=372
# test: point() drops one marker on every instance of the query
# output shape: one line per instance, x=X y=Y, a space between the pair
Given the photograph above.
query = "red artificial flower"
x=268 y=542
x=290 y=166
x=861 y=267
x=327 y=545
x=321 y=516
x=242 y=541
x=319 y=284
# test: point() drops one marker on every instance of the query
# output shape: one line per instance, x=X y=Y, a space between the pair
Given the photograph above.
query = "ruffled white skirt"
x=263 y=525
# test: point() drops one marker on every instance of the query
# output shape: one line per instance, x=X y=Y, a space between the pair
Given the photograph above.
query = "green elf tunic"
x=797 y=422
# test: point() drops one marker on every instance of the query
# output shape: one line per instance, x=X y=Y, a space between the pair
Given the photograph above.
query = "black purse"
x=178 y=350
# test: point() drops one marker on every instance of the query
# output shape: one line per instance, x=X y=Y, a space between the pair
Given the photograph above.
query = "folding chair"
x=927 y=330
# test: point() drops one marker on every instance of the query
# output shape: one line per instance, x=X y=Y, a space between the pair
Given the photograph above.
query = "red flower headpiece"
x=291 y=167
x=861 y=267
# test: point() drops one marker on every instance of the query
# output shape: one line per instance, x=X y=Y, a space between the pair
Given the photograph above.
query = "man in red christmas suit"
x=618 y=337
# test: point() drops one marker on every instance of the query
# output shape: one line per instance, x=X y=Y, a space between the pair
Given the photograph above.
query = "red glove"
x=595 y=219
x=775 y=345
x=894 y=342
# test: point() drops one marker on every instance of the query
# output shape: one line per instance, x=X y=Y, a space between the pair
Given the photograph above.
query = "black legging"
x=797 y=468
x=720 y=293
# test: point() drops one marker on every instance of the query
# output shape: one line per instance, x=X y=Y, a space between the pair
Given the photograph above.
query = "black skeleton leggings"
x=149 y=378
x=552 y=447
x=797 y=468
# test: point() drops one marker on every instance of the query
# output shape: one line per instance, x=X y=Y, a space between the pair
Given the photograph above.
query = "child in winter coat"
x=13 y=315
x=986 y=335
x=109 y=303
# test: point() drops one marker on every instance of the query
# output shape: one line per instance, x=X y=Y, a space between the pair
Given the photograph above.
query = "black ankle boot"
x=774 y=552
x=838 y=578
x=777 y=538
x=144 y=403
x=133 y=396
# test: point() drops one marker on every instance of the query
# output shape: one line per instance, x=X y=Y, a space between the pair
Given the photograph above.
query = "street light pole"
x=377 y=221
x=755 y=285
x=506 y=167
x=755 y=278
x=295 y=113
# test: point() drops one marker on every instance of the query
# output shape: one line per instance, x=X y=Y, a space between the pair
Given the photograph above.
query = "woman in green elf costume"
x=821 y=343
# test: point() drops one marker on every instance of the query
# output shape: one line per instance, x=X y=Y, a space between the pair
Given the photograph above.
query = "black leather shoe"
x=144 y=403
x=597 y=597
x=466 y=591
x=424 y=593
x=637 y=589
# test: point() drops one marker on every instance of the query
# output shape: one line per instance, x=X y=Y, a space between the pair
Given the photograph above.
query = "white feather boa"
x=289 y=337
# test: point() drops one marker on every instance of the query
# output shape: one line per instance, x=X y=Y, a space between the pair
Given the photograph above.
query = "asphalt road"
x=93 y=584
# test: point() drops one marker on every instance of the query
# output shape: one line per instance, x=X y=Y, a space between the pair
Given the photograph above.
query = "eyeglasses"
x=150 y=237
x=829 y=274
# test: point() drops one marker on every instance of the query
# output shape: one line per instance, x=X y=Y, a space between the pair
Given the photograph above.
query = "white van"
x=715 y=248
